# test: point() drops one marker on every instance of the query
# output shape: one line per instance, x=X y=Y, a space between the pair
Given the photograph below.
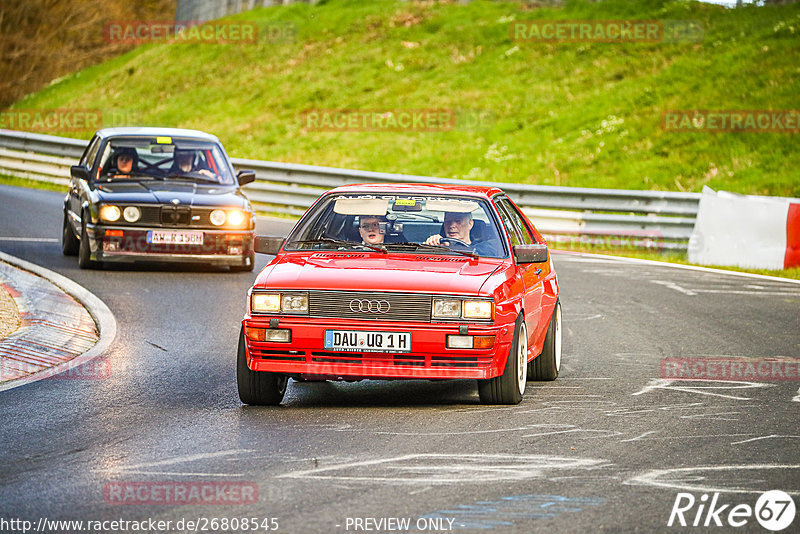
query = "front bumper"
x=429 y=358
x=129 y=244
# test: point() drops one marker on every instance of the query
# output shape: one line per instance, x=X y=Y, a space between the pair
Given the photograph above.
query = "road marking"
x=447 y=468
x=682 y=478
x=772 y=436
x=660 y=383
x=585 y=256
x=140 y=469
x=31 y=239
x=676 y=287
x=638 y=438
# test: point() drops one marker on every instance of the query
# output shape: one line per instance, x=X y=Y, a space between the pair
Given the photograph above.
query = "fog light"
x=235 y=250
x=459 y=342
x=110 y=246
x=282 y=335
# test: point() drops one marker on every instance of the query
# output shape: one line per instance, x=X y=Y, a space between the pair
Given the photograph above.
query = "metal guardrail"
x=653 y=219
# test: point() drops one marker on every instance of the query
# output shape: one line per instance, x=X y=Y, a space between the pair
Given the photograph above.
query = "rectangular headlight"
x=294 y=303
x=446 y=308
x=265 y=302
x=478 y=309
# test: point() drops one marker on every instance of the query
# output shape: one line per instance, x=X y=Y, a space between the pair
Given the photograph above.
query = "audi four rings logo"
x=369 y=306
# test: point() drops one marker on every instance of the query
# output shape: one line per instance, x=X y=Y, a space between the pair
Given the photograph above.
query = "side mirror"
x=246 y=176
x=79 y=171
x=530 y=253
x=265 y=244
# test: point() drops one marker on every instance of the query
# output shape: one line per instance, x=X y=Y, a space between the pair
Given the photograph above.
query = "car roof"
x=421 y=188
x=147 y=131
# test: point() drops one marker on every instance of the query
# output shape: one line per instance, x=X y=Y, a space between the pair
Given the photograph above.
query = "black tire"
x=509 y=387
x=546 y=366
x=245 y=267
x=258 y=387
x=69 y=242
x=84 y=250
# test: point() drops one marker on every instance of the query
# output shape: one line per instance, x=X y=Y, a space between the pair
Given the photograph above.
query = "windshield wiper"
x=472 y=254
x=131 y=176
x=339 y=242
x=192 y=177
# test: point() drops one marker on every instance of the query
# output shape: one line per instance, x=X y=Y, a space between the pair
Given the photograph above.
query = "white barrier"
x=746 y=231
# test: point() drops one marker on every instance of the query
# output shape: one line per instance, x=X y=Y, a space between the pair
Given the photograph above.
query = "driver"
x=125 y=161
x=183 y=162
x=456 y=226
x=369 y=228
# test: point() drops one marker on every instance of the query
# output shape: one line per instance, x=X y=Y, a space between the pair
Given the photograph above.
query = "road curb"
x=102 y=316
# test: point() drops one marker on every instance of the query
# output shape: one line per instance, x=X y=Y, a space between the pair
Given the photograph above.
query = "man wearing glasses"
x=456 y=226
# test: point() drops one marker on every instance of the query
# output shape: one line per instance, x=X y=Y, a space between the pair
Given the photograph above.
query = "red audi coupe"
x=404 y=281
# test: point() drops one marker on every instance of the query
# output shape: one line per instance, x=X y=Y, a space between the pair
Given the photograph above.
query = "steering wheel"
x=452 y=240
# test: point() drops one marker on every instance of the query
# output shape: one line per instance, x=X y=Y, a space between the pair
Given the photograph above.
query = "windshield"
x=164 y=158
x=400 y=223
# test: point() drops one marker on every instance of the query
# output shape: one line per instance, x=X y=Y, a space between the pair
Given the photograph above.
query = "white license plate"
x=166 y=237
x=360 y=341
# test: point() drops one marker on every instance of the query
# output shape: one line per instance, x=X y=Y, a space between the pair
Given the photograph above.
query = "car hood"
x=167 y=192
x=367 y=271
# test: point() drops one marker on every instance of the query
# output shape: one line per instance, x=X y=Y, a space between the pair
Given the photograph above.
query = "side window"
x=90 y=152
x=514 y=232
x=527 y=237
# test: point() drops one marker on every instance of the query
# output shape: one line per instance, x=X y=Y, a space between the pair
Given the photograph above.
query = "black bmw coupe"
x=158 y=194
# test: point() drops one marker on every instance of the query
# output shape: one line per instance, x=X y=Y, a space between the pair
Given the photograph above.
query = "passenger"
x=369 y=227
x=184 y=163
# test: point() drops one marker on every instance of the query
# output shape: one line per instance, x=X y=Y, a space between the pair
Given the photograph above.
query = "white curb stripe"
x=103 y=318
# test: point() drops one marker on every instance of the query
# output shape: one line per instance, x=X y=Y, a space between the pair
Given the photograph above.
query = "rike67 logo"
x=774 y=510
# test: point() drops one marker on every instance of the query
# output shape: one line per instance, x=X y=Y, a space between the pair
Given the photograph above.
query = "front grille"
x=176 y=215
x=279 y=355
x=150 y=215
x=345 y=305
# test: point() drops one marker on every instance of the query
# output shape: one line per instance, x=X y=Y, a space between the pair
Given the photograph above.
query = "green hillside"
x=573 y=114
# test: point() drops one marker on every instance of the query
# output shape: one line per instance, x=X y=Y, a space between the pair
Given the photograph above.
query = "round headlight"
x=218 y=217
x=235 y=218
x=110 y=213
x=131 y=214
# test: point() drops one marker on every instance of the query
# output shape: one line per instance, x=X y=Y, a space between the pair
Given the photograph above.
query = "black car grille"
x=168 y=216
x=370 y=305
x=176 y=215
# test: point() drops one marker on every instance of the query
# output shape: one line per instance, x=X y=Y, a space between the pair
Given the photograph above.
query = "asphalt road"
x=606 y=447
